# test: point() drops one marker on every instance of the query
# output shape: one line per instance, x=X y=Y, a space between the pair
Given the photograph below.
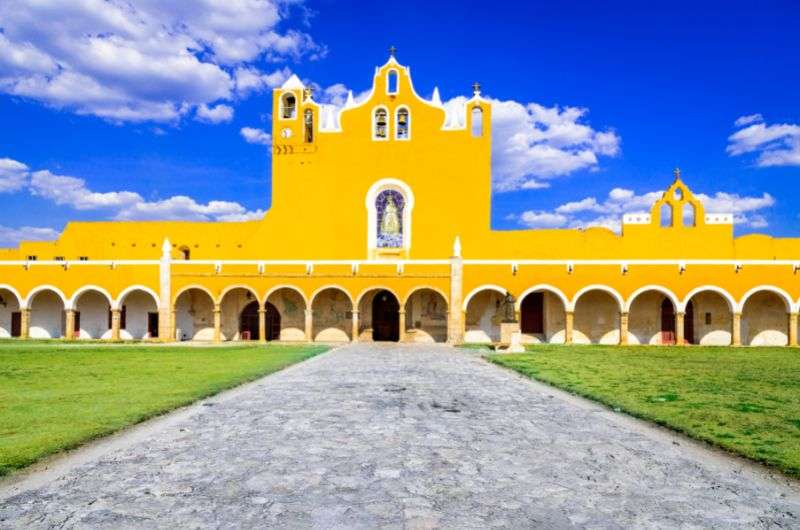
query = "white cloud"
x=776 y=145
x=184 y=208
x=72 y=191
x=218 y=114
x=532 y=144
x=251 y=79
x=12 y=236
x=13 y=175
x=141 y=60
x=591 y=212
x=256 y=136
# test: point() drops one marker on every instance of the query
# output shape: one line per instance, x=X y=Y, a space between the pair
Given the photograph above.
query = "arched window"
x=403 y=125
x=666 y=215
x=477 y=121
x=288 y=106
x=186 y=253
x=389 y=206
x=308 y=125
x=381 y=125
x=391 y=82
x=689 y=215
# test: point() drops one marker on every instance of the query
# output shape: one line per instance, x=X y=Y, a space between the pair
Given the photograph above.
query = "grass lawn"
x=745 y=400
x=56 y=396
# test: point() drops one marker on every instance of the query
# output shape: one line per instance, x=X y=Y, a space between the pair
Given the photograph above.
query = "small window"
x=391 y=82
x=84 y=258
x=186 y=253
x=666 y=215
x=381 y=130
x=477 y=122
x=288 y=106
x=403 y=124
x=708 y=319
x=308 y=125
x=59 y=258
x=678 y=194
x=688 y=214
x=31 y=258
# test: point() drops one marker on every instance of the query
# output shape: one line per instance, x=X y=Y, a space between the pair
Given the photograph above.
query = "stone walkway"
x=380 y=436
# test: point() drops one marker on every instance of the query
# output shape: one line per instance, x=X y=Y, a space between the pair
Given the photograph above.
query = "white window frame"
x=397 y=123
x=375 y=137
x=281 y=106
x=388 y=84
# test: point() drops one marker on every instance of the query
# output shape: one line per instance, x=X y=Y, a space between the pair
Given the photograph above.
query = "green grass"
x=745 y=400
x=56 y=396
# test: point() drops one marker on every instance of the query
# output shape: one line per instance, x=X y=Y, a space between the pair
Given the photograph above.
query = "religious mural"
x=389 y=205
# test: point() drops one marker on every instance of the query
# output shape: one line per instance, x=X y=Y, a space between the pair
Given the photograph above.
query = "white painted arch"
x=423 y=288
x=372 y=214
x=194 y=286
x=732 y=305
x=368 y=290
x=13 y=291
x=291 y=288
x=330 y=286
x=787 y=299
x=36 y=290
x=542 y=287
x=233 y=287
x=676 y=302
x=118 y=303
x=87 y=288
x=598 y=287
x=484 y=287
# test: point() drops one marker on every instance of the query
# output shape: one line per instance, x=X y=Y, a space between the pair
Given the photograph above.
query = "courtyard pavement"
x=391 y=436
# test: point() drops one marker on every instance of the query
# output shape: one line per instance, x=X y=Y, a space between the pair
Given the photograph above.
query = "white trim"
x=732 y=305
x=296 y=104
x=372 y=215
x=128 y=290
x=676 y=302
x=542 y=287
x=230 y=288
x=429 y=287
x=41 y=288
x=189 y=288
x=396 y=72
x=294 y=288
x=73 y=302
x=331 y=286
x=484 y=287
x=597 y=287
x=397 y=123
x=790 y=306
x=366 y=291
x=388 y=136
x=14 y=292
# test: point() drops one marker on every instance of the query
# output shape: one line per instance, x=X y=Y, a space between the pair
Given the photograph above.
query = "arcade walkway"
x=398 y=436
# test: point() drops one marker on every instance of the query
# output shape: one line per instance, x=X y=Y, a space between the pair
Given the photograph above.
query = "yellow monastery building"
x=380 y=230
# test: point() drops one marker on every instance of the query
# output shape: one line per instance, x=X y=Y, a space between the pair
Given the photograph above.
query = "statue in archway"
x=391 y=221
x=509 y=309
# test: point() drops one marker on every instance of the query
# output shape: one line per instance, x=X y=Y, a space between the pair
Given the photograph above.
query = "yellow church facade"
x=380 y=230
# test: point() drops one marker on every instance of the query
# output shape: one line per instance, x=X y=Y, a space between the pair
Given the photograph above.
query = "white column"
x=166 y=326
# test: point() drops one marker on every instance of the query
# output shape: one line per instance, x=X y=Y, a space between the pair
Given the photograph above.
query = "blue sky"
x=141 y=110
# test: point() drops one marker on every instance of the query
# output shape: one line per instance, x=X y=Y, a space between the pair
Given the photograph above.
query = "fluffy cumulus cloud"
x=218 y=114
x=252 y=135
x=140 y=60
x=608 y=211
x=773 y=145
x=533 y=144
x=74 y=192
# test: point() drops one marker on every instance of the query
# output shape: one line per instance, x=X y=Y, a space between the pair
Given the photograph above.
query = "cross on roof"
x=392 y=51
x=476 y=88
x=677 y=173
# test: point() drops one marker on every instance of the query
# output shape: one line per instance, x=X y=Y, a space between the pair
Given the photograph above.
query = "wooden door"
x=688 y=323
x=532 y=313
x=152 y=325
x=16 y=324
x=667 y=322
x=385 y=317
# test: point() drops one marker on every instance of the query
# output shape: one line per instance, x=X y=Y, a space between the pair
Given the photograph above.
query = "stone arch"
x=194 y=286
x=483 y=314
x=332 y=309
x=92 y=307
x=47 y=305
x=541 y=310
x=597 y=311
x=10 y=312
x=709 y=318
x=139 y=313
x=232 y=302
x=368 y=290
x=651 y=315
x=291 y=304
x=426 y=310
x=387 y=312
x=194 y=314
x=765 y=317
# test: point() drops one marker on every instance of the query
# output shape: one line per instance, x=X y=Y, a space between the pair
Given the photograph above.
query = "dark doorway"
x=248 y=322
x=385 y=317
x=688 y=324
x=667 y=322
x=532 y=313
x=16 y=324
x=152 y=325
